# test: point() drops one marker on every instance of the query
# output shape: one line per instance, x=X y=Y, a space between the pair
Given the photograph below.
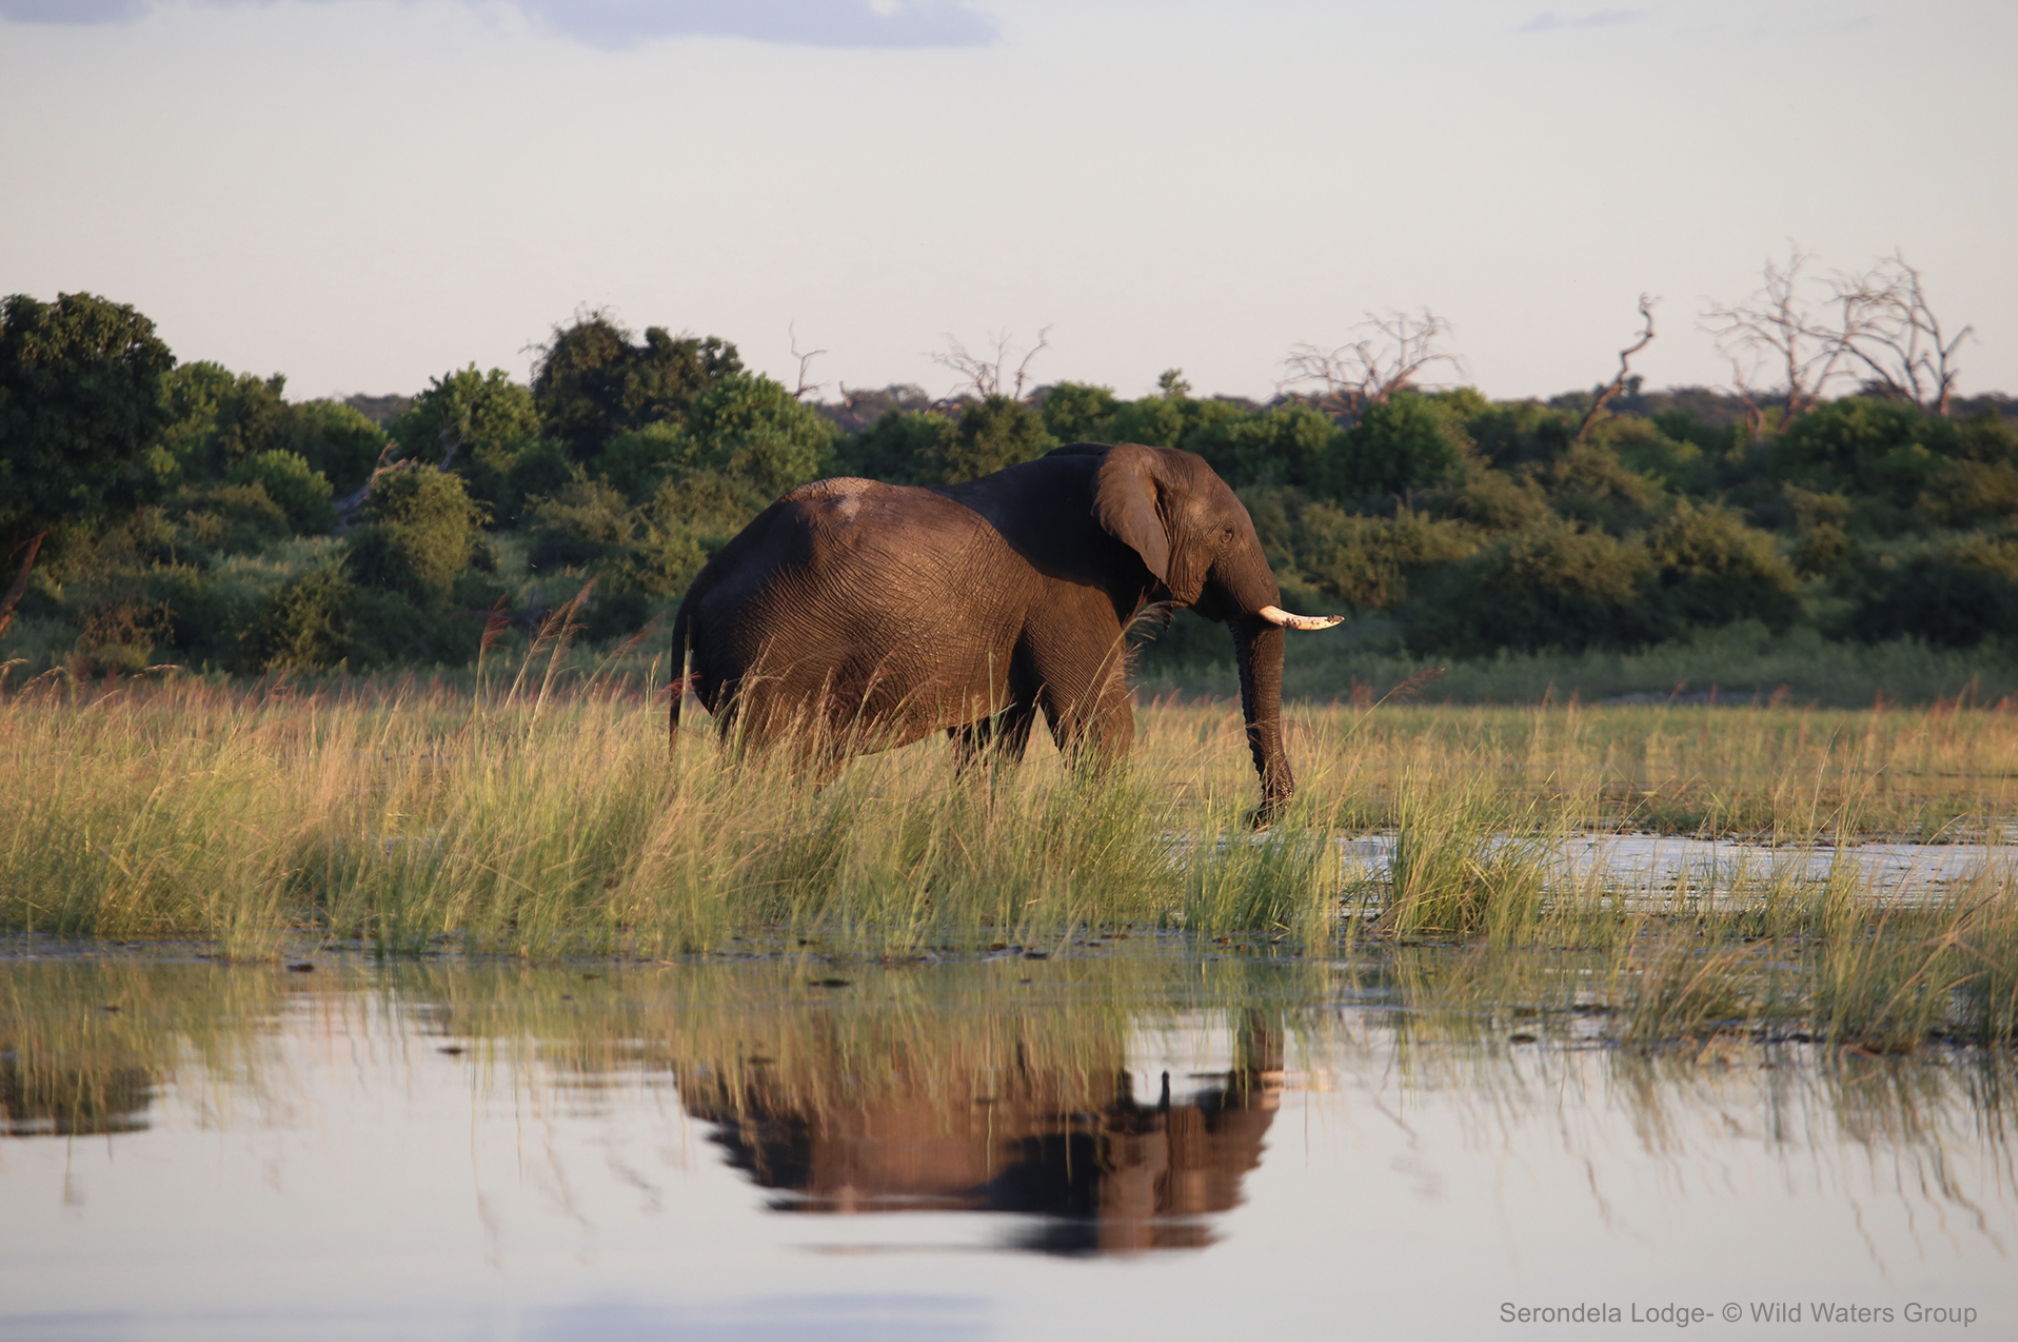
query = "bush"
x=1494 y=501
x=1405 y=443
x=1167 y=420
x=303 y=493
x=480 y=423
x=423 y=534
x=637 y=460
x=1368 y=561
x=754 y=431
x=1711 y=569
x=992 y=434
x=1286 y=445
x=1885 y=449
x=1553 y=587
x=1077 y=412
x=1965 y=493
x=305 y=625
x=230 y=518
x=1587 y=483
x=899 y=448
x=1953 y=596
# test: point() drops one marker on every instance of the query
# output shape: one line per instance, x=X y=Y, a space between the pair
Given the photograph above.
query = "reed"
x=538 y=815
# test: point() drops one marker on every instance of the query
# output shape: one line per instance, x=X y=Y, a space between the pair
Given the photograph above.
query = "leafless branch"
x=1618 y=383
x=983 y=376
x=1391 y=355
x=1023 y=368
x=805 y=388
x=1778 y=325
x=1899 y=340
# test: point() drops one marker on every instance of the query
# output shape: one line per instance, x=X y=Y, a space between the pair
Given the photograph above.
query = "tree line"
x=157 y=512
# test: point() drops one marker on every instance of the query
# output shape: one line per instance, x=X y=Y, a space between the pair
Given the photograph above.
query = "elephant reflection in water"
x=1109 y=1171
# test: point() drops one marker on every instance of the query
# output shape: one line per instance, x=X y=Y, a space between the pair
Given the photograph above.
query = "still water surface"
x=1124 y=1138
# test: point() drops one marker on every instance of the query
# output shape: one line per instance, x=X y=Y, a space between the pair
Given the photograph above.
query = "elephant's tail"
x=683 y=625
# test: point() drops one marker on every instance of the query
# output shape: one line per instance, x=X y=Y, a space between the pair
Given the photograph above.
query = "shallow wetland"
x=409 y=1012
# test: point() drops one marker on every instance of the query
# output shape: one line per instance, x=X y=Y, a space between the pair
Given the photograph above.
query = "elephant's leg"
x=1092 y=720
x=1000 y=738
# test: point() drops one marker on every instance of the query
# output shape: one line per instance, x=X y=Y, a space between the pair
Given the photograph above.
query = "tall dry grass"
x=533 y=817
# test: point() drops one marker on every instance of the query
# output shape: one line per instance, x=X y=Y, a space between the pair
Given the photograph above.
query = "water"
x=1663 y=865
x=1123 y=1138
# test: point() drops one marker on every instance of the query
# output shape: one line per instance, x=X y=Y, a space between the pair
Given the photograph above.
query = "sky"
x=364 y=194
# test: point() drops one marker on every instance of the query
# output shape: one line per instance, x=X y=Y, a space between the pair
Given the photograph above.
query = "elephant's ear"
x=1124 y=501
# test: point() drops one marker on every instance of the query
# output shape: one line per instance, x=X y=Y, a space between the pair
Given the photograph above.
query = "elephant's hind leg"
x=1000 y=738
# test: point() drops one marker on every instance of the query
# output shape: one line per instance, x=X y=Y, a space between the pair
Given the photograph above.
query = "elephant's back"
x=849 y=563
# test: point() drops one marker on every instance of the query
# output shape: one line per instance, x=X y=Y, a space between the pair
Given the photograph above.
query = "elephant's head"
x=1198 y=542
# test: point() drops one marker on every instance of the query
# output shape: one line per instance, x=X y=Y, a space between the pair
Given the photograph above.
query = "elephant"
x=876 y=614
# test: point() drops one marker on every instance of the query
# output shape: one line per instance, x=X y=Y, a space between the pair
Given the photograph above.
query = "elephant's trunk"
x=1257 y=646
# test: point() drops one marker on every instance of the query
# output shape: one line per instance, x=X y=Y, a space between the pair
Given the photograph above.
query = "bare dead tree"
x=1755 y=413
x=984 y=376
x=1780 y=327
x=804 y=388
x=1618 y=384
x=1392 y=354
x=1897 y=337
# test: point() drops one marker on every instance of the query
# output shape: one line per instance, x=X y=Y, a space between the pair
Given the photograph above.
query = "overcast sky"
x=364 y=193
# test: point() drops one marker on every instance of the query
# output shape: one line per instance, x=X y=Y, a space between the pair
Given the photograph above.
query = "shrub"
x=305 y=625
x=1710 y=569
x=753 y=430
x=1405 y=443
x=1076 y=412
x=1368 y=560
x=1553 y=587
x=991 y=434
x=302 y=493
x=1587 y=483
x=1882 y=448
x=1953 y=596
x=230 y=518
x=1285 y=445
x=899 y=448
x=423 y=534
x=1964 y=493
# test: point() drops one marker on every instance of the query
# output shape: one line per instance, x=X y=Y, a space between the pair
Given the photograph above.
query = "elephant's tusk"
x=1277 y=615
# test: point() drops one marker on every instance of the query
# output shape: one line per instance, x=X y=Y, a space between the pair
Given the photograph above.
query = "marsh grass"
x=525 y=821
x=537 y=815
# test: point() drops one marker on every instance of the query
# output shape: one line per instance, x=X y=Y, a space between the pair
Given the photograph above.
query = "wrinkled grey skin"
x=876 y=614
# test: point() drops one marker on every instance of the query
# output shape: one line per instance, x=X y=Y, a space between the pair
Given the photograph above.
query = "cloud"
x=1548 y=21
x=816 y=23
x=618 y=24
x=71 y=11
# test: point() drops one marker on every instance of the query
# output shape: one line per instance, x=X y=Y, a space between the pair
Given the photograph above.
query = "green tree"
x=1547 y=587
x=1712 y=569
x=994 y=432
x=754 y=431
x=1078 y=412
x=593 y=381
x=898 y=449
x=1283 y=445
x=220 y=419
x=1882 y=449
x=302 y=493
x=422 y=534
x=81 y=420
x=479 y=424
x=1405 y=442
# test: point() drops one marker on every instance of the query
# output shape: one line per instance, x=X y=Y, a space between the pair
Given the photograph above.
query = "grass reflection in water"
x=1007 y=1085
